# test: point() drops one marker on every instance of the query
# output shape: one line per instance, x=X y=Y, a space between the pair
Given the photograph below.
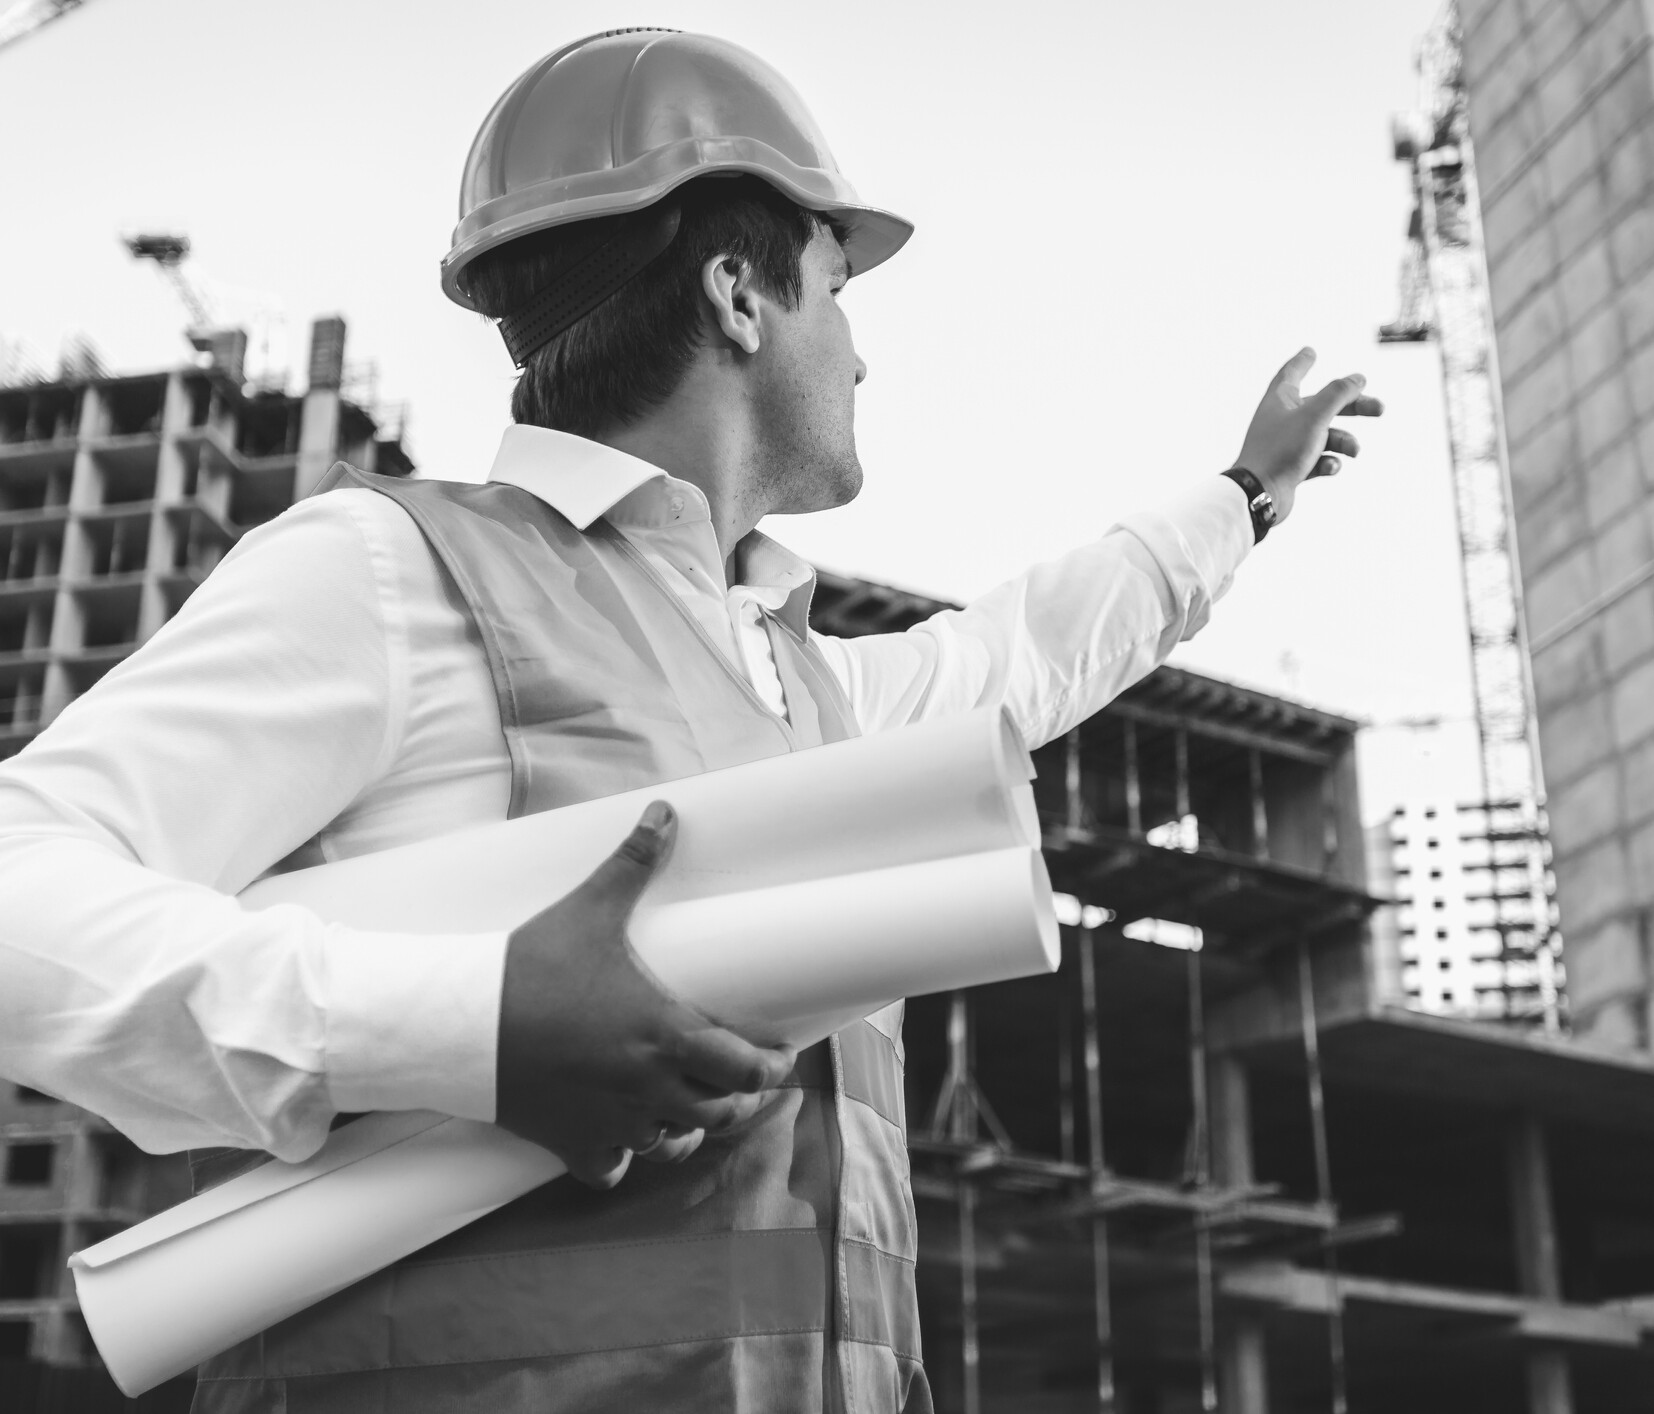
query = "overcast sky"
x=1128 y=217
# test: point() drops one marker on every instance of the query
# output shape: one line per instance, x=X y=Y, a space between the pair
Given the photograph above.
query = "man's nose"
x=861 y=370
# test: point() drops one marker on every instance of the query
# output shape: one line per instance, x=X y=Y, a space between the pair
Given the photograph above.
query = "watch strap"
x=1259 y=503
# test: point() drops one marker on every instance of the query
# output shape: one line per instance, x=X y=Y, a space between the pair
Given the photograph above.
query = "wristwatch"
x=1258 y=501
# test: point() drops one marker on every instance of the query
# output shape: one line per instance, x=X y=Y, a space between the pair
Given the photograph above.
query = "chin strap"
x=591 y=279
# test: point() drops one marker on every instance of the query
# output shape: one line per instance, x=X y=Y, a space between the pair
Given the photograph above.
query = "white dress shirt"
x=325 y=686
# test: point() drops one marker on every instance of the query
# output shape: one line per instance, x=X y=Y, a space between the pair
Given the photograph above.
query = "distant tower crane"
x=1444 y=296
x=24 y=18
x=169 y=254
x=226 y=347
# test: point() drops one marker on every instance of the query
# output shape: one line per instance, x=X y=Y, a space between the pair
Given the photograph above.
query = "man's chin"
x=849 y=486
x=828 y=493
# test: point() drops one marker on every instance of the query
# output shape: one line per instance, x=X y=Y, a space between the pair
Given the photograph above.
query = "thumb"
x=600 y=1170
x=1292 y=372
x=621 y=877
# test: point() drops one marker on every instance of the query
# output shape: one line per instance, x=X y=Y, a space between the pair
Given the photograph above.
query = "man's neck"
x=690 y=440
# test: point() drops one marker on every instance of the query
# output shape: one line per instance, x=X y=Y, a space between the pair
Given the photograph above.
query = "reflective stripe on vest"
x=568 y=1301
x=739 y=1269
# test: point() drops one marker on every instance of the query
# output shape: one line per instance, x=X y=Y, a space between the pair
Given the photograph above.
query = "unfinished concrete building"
x=1238 y=1173
x=1561 y=109
x=117 y=497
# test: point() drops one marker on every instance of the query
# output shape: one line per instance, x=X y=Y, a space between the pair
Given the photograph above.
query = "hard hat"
x=614 y=122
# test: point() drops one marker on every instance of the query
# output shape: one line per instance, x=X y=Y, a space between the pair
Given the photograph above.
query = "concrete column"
x=1550 y=1391
x=1538 y=1265
x=169 y=490
x=1229 y=1098
x=319 y=423
x=318 y=439
x=1243 y=1372
x=1243 y=1369
x=85 y=491
x=56 y=1339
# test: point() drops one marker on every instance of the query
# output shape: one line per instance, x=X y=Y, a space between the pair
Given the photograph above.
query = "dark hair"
x=631 y=352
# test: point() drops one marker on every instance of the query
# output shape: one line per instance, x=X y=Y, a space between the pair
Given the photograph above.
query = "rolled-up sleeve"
x=131 y=981
x=1059 y=641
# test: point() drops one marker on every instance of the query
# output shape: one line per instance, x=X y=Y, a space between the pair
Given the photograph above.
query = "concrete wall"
x=1562 y=115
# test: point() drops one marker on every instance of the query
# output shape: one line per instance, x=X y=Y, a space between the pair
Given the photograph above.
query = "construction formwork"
x=1214 y=1162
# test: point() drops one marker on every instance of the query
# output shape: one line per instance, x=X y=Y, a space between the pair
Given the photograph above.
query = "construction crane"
x=225 y=346
x=1444 y=298
x=21 y=20
x=169 y=254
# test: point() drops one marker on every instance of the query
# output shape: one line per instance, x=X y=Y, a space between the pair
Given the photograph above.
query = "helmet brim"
x=874 y=234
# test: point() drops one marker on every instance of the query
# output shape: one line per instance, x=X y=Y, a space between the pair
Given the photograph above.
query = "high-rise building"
x=1561 y=108
x=1454 y=871
x=117 y=496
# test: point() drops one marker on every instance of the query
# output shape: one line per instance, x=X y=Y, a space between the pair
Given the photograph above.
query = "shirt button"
x=676 y=503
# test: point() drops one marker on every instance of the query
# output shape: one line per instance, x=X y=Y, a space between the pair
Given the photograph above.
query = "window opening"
x=29 y=1165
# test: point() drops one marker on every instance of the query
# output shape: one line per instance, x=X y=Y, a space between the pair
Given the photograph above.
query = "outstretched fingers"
x=1342 y=442
x=1338 y=395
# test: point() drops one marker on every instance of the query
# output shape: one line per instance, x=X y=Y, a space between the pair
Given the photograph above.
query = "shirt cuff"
x=1216 y=520
x=413 y=1021
x=1206 y=529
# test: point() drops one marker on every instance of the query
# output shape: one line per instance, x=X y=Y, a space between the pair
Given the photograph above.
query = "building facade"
x=1561 y=100
x=1456 y=871
x=117 y=497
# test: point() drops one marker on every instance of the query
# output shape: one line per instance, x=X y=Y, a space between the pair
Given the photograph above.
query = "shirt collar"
x=583 y=480
x=578 y=478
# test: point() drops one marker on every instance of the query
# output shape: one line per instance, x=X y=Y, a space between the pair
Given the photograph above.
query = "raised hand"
x=1292 y=438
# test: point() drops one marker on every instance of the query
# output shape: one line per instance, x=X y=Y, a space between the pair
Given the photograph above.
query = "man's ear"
x=727 y=284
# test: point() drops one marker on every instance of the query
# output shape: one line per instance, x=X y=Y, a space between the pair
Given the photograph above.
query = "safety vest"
x=769 y=1273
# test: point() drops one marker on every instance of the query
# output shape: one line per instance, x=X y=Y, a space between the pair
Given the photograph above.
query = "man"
x=659 y=228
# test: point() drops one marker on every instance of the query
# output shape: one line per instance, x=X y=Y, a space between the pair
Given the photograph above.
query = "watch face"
x=1263 y=506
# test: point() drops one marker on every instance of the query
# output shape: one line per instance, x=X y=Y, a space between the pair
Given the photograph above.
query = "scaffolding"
x=1444 y=297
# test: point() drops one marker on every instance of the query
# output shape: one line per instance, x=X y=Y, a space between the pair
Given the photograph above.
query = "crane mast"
x=1444 y=296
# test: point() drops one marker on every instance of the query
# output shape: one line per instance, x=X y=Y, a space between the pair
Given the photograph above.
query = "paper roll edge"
x=91 y=1311
x=1013 y=748
x=1014 y=766
x=1045 y=911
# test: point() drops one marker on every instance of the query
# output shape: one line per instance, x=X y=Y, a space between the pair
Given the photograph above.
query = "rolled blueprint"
x=814 y=946
x=936 y=791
